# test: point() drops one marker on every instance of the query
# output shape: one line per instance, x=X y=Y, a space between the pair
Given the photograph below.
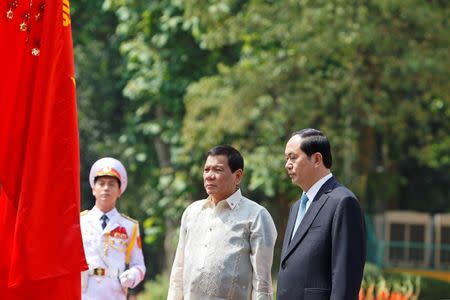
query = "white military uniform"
x=105 y=251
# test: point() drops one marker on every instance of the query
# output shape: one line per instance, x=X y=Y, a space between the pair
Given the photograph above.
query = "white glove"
x=128 y=279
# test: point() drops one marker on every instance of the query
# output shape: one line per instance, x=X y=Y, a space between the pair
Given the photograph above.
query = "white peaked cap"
x=109 y=166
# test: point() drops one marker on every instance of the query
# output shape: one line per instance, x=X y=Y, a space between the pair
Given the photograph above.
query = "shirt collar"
x=312 y=192
x=231 y=201
x=97 y=213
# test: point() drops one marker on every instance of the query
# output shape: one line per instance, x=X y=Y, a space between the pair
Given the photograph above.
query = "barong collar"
x=232 y=201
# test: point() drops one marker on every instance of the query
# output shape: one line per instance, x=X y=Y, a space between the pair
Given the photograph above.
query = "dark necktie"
x=104 y=218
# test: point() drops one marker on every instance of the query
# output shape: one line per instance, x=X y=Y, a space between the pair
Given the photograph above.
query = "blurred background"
x=160 y=82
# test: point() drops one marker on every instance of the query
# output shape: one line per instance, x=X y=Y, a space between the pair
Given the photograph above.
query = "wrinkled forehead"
x=216 y=160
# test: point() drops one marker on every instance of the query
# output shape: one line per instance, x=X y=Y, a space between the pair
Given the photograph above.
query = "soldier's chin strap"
x=130 y=246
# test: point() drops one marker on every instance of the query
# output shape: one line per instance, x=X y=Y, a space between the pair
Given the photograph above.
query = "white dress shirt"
x=314 y=189
x=225 y=251
x=311 y=193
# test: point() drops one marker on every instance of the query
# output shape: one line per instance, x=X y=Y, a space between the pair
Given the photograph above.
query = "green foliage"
x=156 y=289
x=432 y=289
x=99 y=87
x=367 y=74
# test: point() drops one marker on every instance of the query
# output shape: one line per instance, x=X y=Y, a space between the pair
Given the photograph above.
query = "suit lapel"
x=309 y=217
x=311 y=213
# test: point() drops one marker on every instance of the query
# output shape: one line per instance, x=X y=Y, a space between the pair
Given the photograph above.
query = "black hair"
x=313 y=141
x=235 y=159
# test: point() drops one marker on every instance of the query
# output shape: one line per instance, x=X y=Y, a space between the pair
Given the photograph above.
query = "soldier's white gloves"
x=129 y=278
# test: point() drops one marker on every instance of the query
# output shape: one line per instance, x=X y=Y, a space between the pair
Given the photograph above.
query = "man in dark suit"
x=324 y=247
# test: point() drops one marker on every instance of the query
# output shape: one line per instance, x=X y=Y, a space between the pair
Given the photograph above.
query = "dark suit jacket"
x=325 y=259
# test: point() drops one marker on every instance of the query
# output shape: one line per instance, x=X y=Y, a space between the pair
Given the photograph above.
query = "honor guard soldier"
x=111 y=240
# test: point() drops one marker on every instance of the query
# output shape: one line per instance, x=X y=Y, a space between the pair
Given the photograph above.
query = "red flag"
x=40 y=238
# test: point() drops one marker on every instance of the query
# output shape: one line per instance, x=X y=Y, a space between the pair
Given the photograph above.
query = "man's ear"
x=239 y=173
x=317 y=158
